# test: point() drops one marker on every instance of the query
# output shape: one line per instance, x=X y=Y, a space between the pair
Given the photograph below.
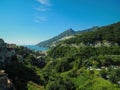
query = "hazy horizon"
x=27 y=22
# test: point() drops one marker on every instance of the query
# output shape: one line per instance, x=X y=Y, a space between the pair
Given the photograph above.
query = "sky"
x=28 y=22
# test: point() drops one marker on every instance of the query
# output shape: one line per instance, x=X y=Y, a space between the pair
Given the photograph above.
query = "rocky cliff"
x=5 y=57
x=5 y=83
x=6 y=53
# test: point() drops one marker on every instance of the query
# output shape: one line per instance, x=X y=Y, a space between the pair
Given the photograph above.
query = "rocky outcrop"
x=5 y=53
x=5 y=57
x=5 y=83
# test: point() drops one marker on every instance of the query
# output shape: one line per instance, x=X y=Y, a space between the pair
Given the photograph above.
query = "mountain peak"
x=68 y=32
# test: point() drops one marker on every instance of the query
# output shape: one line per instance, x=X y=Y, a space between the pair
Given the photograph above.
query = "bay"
x=36 y=48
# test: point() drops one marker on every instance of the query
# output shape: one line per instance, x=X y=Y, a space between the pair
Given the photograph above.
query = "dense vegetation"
x=87 y=66
x=72 y=66
x=109 y=33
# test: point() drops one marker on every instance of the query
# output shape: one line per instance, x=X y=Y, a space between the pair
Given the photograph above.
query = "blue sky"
x=32 y=21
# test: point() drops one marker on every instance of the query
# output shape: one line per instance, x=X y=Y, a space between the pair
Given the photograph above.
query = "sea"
x=36 y=48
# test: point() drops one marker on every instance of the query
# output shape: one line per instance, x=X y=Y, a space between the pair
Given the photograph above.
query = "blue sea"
x=36 y=48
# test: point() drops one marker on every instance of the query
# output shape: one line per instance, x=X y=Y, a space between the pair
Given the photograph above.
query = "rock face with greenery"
x=105 y=35
x=64 y=35
x=88 y=61
x=6 y=53
x=50 y=42
x=5 y=83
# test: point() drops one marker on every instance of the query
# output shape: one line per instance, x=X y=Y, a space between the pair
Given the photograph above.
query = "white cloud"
x=40 y=19
x=42 y=9
x=44 y=2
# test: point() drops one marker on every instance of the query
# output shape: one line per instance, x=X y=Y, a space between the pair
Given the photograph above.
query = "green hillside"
x=88 y=61
x=67 y=33
x=86 y=66
x=53 y=40
x=110 y=33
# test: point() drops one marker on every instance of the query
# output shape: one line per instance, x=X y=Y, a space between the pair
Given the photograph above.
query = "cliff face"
x=5 y=53
x=5 y=57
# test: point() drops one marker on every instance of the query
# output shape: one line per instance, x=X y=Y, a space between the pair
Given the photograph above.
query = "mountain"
x=67 y=66
x=88 y=61
x=106 y=35
x=64 y=35
x=49 y=42
x=87 y=30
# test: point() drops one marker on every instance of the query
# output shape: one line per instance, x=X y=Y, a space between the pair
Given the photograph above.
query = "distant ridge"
x=49 y=42
x=66 y=34
x=108 y=35
x=87 y=30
